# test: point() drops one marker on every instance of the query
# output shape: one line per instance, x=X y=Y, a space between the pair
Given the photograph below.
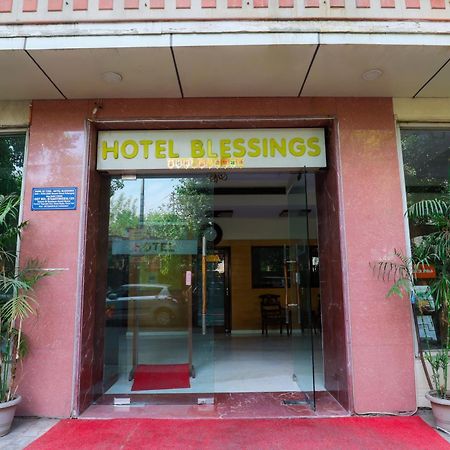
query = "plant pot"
x=7 y=411
x=441 y=410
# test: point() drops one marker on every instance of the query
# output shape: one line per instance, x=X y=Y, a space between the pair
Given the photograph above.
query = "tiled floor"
x=427 y=415
x=236 y=363
x=24 y=431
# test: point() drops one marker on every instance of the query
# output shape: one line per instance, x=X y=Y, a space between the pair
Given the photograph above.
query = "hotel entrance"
x=213 y=288
x=211 y=270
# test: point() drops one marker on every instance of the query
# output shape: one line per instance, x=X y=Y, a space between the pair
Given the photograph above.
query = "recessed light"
x=372 y=74
x=112 y=77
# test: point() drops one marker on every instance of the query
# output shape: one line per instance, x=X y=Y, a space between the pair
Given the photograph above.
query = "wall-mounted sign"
x=54 y=198
x=271 y=148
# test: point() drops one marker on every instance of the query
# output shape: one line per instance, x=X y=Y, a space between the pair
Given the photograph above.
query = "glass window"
x=12 y=148
x=426 y=155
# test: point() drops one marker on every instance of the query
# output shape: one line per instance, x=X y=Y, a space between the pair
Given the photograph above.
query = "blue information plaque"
x=54 y=198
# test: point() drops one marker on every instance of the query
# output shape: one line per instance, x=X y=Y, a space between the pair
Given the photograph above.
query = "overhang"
x=225 y=64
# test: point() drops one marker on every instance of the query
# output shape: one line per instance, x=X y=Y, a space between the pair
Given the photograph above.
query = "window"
x=426 y=155
x=12 y=148
x=268 y=267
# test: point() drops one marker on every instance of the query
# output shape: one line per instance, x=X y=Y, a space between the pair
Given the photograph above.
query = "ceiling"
x=223 y=65
x=253 y=195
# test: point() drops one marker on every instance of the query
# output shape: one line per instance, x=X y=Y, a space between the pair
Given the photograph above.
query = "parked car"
x=154 y=304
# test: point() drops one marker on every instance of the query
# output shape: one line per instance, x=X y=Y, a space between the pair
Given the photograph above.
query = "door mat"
x=344 y=433
x=148 y=377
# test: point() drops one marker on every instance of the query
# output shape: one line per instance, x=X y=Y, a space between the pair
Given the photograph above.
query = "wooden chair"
x=271 y=313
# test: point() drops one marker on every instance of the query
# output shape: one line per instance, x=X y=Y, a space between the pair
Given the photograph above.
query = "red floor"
x=246 y=405
x=346 y=433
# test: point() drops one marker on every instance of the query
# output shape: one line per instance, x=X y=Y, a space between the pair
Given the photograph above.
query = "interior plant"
x=430 y=250
x=16 y=304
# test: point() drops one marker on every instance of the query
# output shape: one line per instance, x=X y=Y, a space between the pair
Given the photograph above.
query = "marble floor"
x=234 y=363
x=256 y=405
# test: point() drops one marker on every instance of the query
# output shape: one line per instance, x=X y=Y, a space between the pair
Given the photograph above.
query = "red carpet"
x=344 y=433
x=161 y=376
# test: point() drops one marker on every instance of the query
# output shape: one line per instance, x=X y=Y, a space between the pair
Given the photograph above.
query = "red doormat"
x=161 y=376
x=344 y=433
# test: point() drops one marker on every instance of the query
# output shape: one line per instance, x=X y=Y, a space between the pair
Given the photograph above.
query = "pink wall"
x=55 y=158
x=334 y=317
x=379 y=348
x=380 y=328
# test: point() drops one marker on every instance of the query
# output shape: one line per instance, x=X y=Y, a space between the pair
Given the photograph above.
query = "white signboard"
x=154 y=247
x=271 y=148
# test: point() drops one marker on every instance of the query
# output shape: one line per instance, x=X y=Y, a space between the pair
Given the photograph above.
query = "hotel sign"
x=272 y=148
x=154 y=247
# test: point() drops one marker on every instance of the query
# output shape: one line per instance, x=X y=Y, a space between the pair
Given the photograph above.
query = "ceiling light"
x=112 y=77
x=372 y=74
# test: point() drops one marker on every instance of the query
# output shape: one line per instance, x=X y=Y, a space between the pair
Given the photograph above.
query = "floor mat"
x=352 y=433
x=161 y=376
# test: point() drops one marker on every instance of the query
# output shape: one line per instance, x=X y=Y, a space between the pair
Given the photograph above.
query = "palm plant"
x=432 y=249
x=17 y=303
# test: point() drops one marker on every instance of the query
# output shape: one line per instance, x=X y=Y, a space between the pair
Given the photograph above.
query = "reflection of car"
x=154 y=302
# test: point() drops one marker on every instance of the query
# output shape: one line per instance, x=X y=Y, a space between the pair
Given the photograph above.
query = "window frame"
x=26 y=132
x=406 y=125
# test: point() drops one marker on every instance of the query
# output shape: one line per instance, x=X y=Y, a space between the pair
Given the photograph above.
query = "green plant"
x=431 y=249
x=17 y=302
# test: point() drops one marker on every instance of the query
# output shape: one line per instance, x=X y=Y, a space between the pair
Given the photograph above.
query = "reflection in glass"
x=426 y=154
x=12 y=149
x=155 y=229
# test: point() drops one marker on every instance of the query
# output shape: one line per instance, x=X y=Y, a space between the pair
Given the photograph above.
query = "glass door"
x=157 y=338
x=298 y=286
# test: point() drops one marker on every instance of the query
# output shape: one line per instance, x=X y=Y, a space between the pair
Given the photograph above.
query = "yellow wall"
x=245 y=309
x=422 y=109
x=14 y=113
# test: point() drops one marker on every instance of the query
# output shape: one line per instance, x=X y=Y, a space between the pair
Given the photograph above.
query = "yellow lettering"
x=255 y=149
x=225 y=148
x=197 y=150
x=172 y=154
x=279 y=147
x=209 y=150
x=146 y=144
x=297 y=147
x=238 y=144
x=160 y=149
x=265 y=148
x=114 y=150
x=313 y=144
x=134 y=149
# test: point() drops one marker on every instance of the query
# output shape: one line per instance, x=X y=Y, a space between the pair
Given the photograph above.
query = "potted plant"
x=429 y=252
x=16 y=304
